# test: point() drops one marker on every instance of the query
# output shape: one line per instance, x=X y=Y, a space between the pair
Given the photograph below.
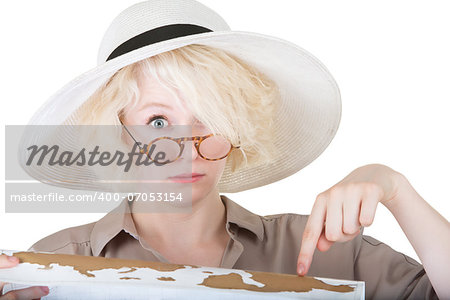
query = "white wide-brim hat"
x=310 y=109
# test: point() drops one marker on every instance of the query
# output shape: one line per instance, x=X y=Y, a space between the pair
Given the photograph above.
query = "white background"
x=390 y=59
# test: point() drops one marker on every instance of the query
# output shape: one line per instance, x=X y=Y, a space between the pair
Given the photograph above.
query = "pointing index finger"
x=311 y=234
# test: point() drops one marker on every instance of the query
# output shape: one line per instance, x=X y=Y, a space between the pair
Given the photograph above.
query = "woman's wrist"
x=402 y=194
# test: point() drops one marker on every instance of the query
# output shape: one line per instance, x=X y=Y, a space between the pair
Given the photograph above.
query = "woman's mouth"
x=186 y=178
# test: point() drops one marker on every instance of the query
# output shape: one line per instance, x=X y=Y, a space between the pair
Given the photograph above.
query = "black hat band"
x=156 y=35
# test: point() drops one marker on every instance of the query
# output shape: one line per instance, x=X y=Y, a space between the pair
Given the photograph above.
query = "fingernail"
x=45 y=289
x=13 y=259
x=300 y=269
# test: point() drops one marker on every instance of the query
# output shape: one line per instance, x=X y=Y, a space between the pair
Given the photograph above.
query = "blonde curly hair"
x=223 y=92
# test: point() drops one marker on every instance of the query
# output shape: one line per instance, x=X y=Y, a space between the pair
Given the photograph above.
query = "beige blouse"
x=259 y=243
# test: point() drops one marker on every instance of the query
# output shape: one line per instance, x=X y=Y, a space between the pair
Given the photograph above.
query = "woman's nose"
x=193 y=150
x=194 y=153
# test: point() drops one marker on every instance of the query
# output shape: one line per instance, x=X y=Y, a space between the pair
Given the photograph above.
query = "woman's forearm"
x=427 y=231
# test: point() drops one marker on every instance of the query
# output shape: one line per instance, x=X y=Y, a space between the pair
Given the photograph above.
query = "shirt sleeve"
x=390 y=274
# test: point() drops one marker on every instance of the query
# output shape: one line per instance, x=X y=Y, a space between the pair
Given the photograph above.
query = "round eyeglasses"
x=210 y=147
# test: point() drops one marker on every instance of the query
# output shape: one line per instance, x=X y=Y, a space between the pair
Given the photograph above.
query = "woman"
x=216 y=92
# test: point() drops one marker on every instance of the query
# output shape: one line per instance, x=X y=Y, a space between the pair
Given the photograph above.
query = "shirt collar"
x=110 y=225
x=243 y=217
x=120 y=218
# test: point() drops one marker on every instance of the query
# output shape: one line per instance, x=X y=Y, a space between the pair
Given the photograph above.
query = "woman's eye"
x=157 y=121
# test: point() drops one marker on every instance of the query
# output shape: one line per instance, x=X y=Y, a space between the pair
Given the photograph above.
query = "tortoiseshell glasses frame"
x=180 y=141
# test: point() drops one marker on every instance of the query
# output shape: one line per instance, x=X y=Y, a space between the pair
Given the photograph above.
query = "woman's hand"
x=339 y=212
x=34 y=292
